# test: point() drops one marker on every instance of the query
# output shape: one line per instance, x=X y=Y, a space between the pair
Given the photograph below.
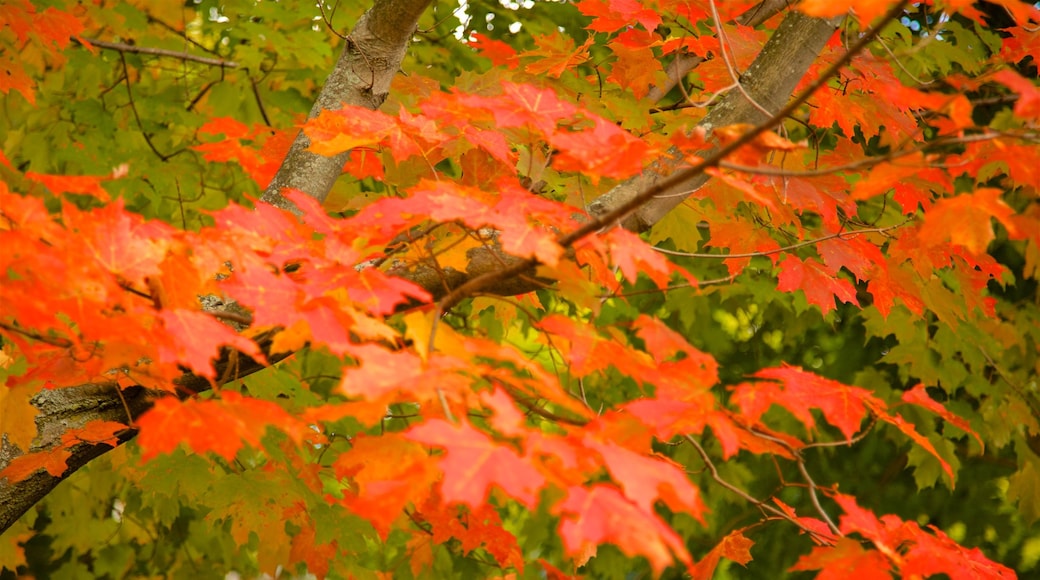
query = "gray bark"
x=61 y=410
x=684 y=63
x=769 y=81
x=362 y=76
x=73 y=407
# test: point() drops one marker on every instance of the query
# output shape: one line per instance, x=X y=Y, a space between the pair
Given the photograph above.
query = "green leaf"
x=1024 y=486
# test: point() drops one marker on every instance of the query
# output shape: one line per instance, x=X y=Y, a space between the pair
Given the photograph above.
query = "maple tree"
x=617 y=287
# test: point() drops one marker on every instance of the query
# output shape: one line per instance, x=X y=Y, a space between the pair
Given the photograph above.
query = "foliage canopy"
x=612 y=288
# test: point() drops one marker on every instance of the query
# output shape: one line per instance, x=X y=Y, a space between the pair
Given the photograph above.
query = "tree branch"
x=362 y=76
x=371 y=57
x=769 y=80
x=73 y=407
x=369 y=61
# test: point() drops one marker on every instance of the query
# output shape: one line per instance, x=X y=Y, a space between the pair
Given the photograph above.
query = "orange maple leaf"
x=812 y=278
x=964 y=220
x=635 y=69
x=735 y=546
x=866 y=10
x=558 y=54
x=195 y=339
x=222 y=425
x=385 y=488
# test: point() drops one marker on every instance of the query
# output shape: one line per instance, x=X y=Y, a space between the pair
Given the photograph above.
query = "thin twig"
x=680 y=286
x=137 y=116
x=718 y=479
x=126 y=407
x=441 y=397
x=848 y=442
x=777 y=512
x=841 y=235
x=53 y=341
x=181 y=33
x=238 y=317
x=162 y=52
x=813 y=496
x=865 y=163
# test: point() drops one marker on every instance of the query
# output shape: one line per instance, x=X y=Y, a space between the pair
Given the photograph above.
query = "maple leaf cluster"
x=582 y=404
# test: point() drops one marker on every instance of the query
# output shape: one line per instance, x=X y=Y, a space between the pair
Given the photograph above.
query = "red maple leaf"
x=473 y=528
x=83 y=184
x=589 y=351
x=195 y=339
x=600 y=514
x=54 y=461
x=965 y=220
x=333 y=132
x=633 y=256
x=15 y=78
x=820 y=530
x=524 y=104
x=635 y=69
x=364 y=162
x=605 y=150
x=812 y=278
x=473 y=463
x=908 y=429
x=895 y=282
x=1028 y=104
x=855 y=253
x=919 y=396
x=317 y=556
x=847 y=558
x=510 y=212
x=611 y=15
x=914 y=551
x=742 y=237
x=797 y=391
x=645 y=479
x=122 y=242
x=500 y=53
x=57 y=27
x=696 y=45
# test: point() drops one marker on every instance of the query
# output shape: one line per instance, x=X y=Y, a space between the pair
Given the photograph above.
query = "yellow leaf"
x=291 y=339
x=420 y=325
x=17 y=415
